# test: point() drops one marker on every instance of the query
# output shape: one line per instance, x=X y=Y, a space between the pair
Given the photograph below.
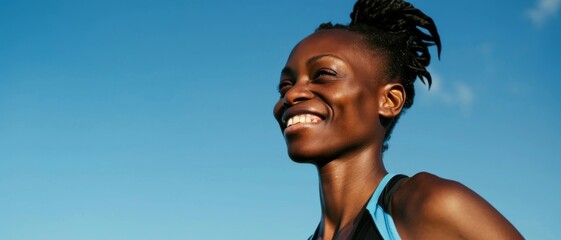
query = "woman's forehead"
x=331 y=40
x=347 y=45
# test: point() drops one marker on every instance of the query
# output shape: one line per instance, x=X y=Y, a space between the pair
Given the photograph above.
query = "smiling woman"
x=341 y=93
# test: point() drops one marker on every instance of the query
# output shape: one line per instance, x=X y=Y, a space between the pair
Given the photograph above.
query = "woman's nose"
x=297 y=93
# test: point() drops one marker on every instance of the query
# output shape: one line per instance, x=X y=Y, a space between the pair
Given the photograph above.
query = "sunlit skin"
x=336 y=89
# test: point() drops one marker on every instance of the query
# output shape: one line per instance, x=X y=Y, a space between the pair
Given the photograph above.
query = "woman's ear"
x=392 y=98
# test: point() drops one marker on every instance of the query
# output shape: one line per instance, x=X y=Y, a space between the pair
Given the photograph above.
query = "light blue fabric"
x=382 y=219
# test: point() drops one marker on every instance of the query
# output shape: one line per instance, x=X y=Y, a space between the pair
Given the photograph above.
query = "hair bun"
x=398 y=17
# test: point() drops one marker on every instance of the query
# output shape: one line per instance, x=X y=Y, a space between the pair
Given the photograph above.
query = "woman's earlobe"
x=392 y=98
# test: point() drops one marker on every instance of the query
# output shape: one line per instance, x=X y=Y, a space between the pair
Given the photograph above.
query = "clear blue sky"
x=153 y=119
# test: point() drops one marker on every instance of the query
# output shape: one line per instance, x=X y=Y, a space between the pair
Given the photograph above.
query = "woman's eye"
x=284 y=86
x=324 y=73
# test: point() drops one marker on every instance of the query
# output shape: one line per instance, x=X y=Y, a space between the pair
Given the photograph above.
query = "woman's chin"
x=300 y=156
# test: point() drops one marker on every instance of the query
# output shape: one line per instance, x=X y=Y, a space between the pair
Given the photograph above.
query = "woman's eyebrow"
x=287 y=71
x=318 y=57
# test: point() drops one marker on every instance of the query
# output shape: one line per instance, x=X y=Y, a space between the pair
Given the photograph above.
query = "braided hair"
x=403 y=33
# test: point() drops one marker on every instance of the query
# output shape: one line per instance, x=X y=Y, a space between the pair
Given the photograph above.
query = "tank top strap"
x=380 y=203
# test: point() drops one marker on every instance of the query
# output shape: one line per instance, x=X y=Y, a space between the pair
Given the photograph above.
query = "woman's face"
x=330 y=97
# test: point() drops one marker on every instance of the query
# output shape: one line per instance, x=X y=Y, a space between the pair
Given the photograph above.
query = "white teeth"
x=303 y=118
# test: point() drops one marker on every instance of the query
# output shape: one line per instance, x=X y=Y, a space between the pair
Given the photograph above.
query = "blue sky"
x=153 y=119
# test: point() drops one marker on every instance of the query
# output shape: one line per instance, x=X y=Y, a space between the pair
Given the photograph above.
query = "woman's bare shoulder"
x=429 y=206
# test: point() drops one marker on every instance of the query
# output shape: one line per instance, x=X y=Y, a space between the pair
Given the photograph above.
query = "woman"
x=341 y=93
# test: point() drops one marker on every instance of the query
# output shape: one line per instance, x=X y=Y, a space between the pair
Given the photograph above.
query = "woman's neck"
x=346 y=185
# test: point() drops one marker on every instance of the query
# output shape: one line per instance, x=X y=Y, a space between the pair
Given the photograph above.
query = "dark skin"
x=334 y=89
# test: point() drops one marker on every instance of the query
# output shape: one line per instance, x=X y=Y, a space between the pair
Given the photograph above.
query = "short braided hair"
x=404 y=34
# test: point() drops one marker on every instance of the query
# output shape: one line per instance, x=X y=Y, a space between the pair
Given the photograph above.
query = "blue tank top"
x=377 y=213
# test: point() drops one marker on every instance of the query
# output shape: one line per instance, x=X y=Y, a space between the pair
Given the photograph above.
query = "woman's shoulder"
x=428 y=205
x=429 y=197
x=423 y=189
